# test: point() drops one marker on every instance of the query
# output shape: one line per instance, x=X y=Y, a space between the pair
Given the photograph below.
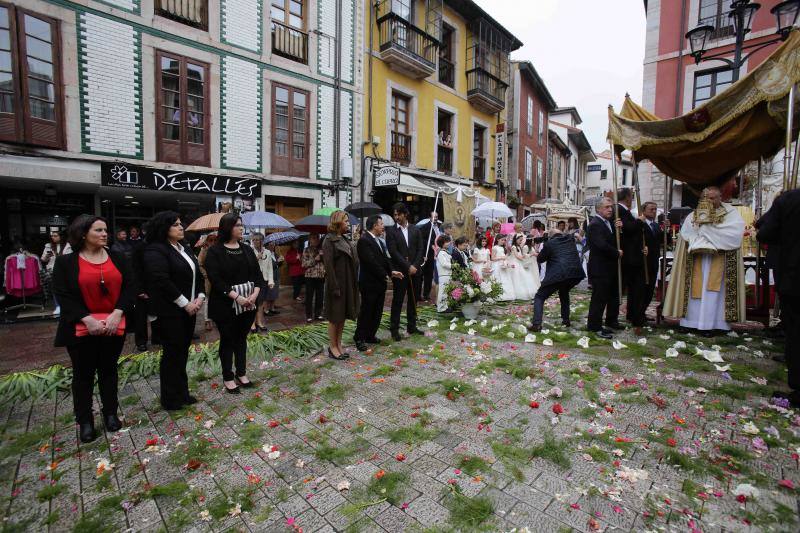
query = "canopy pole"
x=758 y=244
x=663 y=268
x=788 y=147
x=616 y=217
x=639 y=210
x=430 y=233
x=794 y=162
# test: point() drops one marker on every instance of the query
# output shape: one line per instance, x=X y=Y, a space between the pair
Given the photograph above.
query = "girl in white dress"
x=444 y=268
x=532 y=268
x=519 y=274
x=501 y=269
x=481 y=257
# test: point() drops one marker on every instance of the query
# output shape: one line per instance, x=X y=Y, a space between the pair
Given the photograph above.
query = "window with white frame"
x=530 y=117
x=538 y=177
x=541 y=127
x=528 y=170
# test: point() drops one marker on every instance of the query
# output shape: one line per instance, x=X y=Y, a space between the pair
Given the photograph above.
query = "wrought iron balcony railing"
x=401 y=147
x=406 y=47
x=189 y=12
x=289 y=42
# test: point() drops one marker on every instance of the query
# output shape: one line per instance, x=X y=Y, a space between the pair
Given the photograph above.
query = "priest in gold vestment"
x=706 y=287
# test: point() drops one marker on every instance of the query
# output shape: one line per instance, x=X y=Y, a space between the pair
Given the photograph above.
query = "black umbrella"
x=363 y=209
x=318 y=223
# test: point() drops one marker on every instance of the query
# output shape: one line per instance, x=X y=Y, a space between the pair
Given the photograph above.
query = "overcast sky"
x=589 y=52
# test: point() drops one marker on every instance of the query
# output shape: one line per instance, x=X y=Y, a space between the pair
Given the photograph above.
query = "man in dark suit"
x=653 y=241
x=633 y=262
x=459 y=253
x=407 y=250
x=564 y=271
x=430 y=232
x=602 y=268
x=778 y=227
x=375 y=268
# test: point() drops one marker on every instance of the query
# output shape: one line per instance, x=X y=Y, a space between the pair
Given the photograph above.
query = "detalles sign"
x=135 y=177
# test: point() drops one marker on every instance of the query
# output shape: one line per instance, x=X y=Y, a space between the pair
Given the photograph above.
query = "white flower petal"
x=583 y=342
x=671 y=352
x=618 y=345
x=547 y=342
x=530 y=337
x=642 y=341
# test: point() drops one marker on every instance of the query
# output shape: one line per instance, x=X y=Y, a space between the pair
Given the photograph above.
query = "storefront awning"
x=411 y=185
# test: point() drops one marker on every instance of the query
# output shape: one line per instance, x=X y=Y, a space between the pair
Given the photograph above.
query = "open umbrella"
x=326 y=211
x=265 y=219
x=387 y=220
x=318 y=223
x=209 y=222
x=492 y=209
x=282 y=237
x=363 y=209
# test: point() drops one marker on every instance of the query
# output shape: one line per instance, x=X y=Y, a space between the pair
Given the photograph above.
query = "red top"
x=89 y=276
x=489 y=238
x=293 y=259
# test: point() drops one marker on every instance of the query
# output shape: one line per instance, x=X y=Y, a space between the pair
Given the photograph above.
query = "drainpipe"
x=337 y=103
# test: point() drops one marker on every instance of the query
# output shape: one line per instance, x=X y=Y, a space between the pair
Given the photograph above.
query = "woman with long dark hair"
x=53 y=249
x=236 y=281
x=176 y=294
x=95 y=288
x=342 y=299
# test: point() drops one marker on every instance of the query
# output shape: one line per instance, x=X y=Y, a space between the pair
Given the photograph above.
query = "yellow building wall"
x=426 y=92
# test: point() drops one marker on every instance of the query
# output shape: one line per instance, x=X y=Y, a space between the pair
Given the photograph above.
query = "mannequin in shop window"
x=22 y=277
x=53 y=249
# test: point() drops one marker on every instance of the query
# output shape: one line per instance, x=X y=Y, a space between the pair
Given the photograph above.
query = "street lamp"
x=741 y=15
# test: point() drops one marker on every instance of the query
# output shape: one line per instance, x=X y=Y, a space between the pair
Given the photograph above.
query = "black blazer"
x=425 y=231
x=405 y=255
x=167 y=277
x=221 y=272
x=458 y=259
x=778 y=227
x=374 y=265
x=603 y=252
x=631 y=238
x=68 y=293
x=654 y=240
x=563 y=261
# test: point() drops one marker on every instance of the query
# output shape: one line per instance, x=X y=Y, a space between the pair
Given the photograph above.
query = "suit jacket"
x=405 y=255
x=168 y=277
x=68 y=293
x=374 y=263
x=603 y=252
x=425 y=232
x=654 y=240
x=458 y=258
x=631 y=238
x=778 y=227
x=563 y=261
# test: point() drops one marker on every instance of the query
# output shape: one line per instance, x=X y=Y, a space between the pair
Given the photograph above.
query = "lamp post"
x=741 y=15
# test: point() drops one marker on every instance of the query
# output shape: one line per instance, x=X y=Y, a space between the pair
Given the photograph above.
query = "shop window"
x=31 y=101
x=401 y=140
x=444 y=159
x=478 y=153
x=289 y=131
x=182 y=100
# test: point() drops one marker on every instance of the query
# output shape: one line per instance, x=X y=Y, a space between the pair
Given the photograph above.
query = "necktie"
x=653 y=227
x=383 y=247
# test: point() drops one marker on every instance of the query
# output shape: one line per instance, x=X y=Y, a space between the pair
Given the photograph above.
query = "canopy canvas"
x=711 y=143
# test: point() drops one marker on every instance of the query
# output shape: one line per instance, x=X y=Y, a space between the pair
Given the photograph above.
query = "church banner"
x=459 y=213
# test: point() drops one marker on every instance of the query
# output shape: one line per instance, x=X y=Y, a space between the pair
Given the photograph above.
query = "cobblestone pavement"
x=475 y=426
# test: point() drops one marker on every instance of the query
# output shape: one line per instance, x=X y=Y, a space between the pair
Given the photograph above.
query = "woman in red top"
x=294 y=259
x=95 y=289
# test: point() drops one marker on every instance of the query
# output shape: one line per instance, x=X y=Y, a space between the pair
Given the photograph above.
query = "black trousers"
x=427 y=279
x=633 y=277
x=297 y=285
x=369 y=317
x=402 y=288
x=140 y=318
x=790 y=318
x=649 y=290
x=544 y=292
x=605 y=298
x=94 y=355
x=314 y=296
x=233 y=344
x=176 y=338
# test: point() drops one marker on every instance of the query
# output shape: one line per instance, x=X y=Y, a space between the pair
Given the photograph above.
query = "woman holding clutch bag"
x=95 y=289
x=236 y=281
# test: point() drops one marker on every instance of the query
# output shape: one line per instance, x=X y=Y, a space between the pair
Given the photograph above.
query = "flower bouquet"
x=466 y=286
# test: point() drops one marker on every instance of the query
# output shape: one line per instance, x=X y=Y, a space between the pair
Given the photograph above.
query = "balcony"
x=289 y=42
x=190 y=12
x=444 y=159
x=406 y=48
x=485 y=92
x=447 y=72
x=478 y=168
x=401 y=147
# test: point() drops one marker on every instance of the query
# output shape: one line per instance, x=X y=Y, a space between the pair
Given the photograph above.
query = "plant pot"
x=471 y=310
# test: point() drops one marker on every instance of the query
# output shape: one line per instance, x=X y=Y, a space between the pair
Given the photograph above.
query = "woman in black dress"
x=236 y=281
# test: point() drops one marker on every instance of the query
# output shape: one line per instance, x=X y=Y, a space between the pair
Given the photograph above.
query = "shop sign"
x=129 y=176
x=594 y=168
x=500 y=152
x=387 y=176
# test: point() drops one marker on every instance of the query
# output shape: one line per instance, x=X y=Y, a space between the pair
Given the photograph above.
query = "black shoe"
x=235 y=390
x=566 y=323
x=396 y=336
x=86 y=432
x=338 y=358
x=707 y=333
x=615 y=325
x=415 y=331
x=779 y=358
x=112 y=423
x=361 y=346
x=190 y=400
x=603 y=334
x=172 y=406
x=248 y=385
x=141 y=347
x=373 y=340
x=535 y=328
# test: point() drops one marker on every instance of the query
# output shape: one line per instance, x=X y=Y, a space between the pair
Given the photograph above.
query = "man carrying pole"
x=634 y=267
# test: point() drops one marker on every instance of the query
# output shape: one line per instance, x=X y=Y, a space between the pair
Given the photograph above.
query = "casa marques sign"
x=387 y=176
x=129 y=176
